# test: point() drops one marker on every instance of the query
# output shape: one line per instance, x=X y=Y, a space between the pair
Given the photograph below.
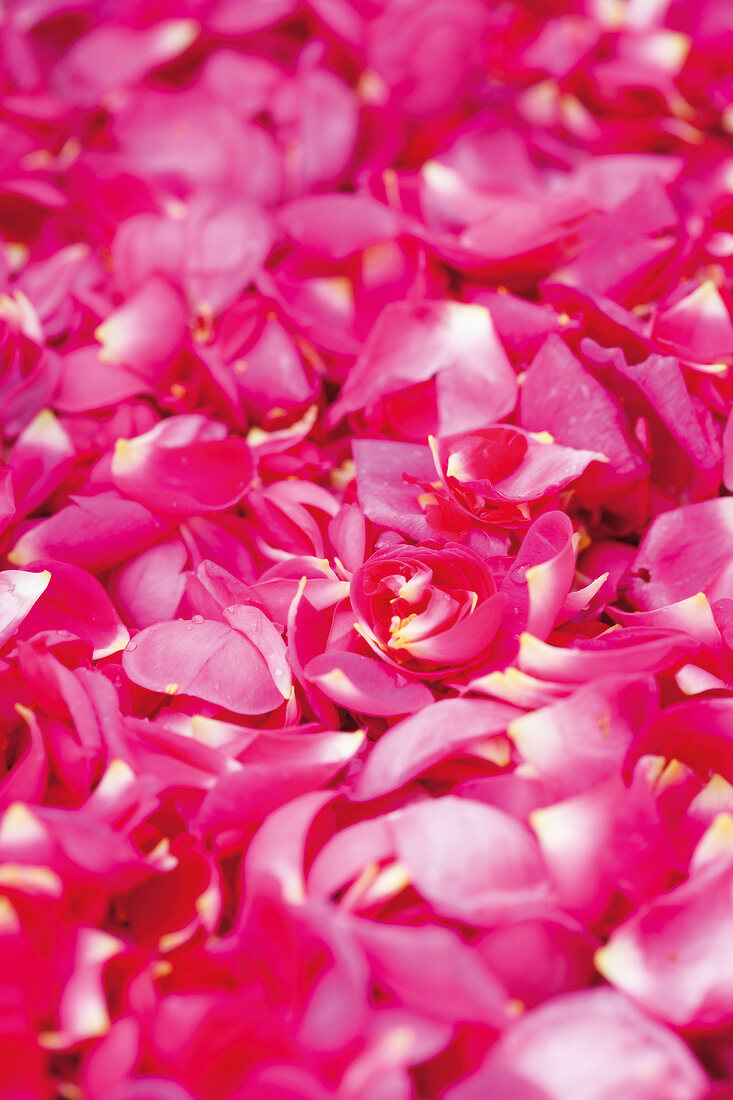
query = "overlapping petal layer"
x=366 y=550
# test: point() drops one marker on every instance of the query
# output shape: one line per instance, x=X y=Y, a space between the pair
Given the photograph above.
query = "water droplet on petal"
x=197 y=619
x=131 y=646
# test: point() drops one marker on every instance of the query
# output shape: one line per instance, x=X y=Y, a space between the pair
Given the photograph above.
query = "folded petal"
x=438 y=731
x=209 y=660
x=366 y=685
x=470 y=861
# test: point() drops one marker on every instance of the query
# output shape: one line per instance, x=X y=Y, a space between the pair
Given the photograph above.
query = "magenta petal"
x=93 y=533
x=183 y=466
x=75 y=601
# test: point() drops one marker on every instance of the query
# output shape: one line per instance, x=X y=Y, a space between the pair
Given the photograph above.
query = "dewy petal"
x=254 y=624
x=181 y=467
x=212 y=661
x=681 y=553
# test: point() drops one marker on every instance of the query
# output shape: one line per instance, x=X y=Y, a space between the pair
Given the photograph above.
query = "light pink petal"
x=454 y=343
x=338 y=225
x=671 y=958
x=366 y=685
x=275 y=858
x=457 y=986
x=225 y=245
x=617 y=1050
x=537 y=584
x=579 y=741
x=681 y=553
x=110 y=57
x=616 y=652
x=698 y=327
x=274 y=769
x=416 y=743
x=385 y=495
x=610 y=839
x=347 y=855
x=628 y=246
x=550 y=579
x=558 y=395
x=693 y=615
x=89 y=381
x=149 y=587
x=19 y=591
x=471 y=862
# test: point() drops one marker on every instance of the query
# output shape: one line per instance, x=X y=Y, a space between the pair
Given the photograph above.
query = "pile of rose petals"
x=366 y=579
